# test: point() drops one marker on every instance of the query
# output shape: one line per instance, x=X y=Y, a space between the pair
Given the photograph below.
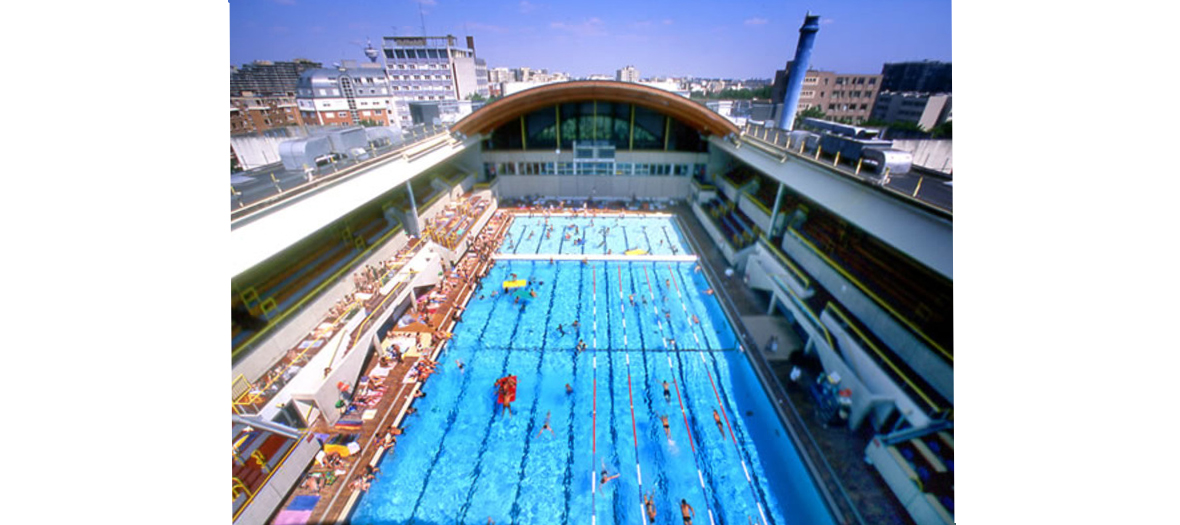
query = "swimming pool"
x=656 y=235
x=462 y=461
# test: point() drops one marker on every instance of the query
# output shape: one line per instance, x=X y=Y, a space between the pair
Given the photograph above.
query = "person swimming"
x=605 y=476
x=667 y=394
x=686 y=512
x=546 y=425
x=717 y=418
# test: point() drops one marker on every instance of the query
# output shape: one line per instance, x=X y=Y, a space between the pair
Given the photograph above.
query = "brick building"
x=262 y=95
x=839 y=95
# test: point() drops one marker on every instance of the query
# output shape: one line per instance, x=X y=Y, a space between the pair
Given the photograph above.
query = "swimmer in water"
x=546 y=425
x=667 y=394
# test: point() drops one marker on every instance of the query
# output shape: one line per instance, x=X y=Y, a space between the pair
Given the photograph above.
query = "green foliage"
x=476 y=97
x=908 y=127
x=735 y=94
x=811 y=112
x=370 y=123
x=941 y=131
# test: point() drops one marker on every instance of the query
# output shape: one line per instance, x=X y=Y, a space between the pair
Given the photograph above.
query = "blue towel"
x=303 y=503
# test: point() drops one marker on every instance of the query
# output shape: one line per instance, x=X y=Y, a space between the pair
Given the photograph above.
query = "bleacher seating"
x=738 y=229
x=450 y=226
x=304 y=274
x=915 y=292
x=252 y=448
x=932 y=461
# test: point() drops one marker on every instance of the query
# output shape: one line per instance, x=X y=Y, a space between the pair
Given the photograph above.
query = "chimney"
x=798 y=70
x=471 y=44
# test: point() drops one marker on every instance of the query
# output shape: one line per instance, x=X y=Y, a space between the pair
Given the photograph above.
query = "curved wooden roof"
x=504 y=110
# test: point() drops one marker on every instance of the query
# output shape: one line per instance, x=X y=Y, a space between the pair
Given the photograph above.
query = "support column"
x=412 y=221
x=778 y=197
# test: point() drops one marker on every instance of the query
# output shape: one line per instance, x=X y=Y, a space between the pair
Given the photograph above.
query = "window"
x=807 y=94
x=341 y=114
x=811 y=80
x=872 y=81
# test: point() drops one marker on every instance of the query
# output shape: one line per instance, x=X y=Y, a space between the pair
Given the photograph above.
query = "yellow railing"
x=756 y=202
x=847 y=322
x=881 y=302
x=787 y=262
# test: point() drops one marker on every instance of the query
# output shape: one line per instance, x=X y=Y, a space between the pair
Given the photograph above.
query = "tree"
x=941 y=131
x=476 y=97
x=812 y=112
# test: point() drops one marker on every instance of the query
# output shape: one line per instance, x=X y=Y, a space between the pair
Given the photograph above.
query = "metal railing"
x=778 y=141
x=334 y=171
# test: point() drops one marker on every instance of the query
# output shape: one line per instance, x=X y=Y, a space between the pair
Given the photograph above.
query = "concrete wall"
x=754 y=212
x=715 y=234
x=257 y=237
x=936 y=154
x=298 y=325
x=596 y=186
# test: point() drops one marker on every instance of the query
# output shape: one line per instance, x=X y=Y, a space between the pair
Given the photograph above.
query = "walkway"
x=842 y=449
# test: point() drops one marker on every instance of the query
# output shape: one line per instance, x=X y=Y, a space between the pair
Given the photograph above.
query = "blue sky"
x=735 y=39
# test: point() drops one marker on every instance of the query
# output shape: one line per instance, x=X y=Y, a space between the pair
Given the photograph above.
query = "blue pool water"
x=462 y=461
x=599 y=235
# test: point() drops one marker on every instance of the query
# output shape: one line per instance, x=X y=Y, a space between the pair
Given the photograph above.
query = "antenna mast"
x=423 y=17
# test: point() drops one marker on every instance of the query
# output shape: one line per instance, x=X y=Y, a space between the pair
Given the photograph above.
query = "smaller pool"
x=602 y=235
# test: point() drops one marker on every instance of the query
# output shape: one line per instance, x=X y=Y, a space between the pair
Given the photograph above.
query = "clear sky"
x=733 y=39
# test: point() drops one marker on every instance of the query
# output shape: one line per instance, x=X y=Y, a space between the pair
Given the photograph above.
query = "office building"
x=262 y=95
x=924 y=109
x=926 y=76
x=432 y=68
x=627 y=74
x=839 y=95
x=349 y=95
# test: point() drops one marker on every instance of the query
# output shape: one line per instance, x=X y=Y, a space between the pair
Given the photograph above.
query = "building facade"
x=627 y=74
x=841 y=96
x=924 y=109
x=927 y=76
x=262 y=95
x=346 y=96
x=432 y=68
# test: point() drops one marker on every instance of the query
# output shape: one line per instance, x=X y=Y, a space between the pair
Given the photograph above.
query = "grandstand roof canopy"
x=504 y=110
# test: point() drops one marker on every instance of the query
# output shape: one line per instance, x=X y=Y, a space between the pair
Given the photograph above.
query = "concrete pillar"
x=412 y=221
x=778 y=197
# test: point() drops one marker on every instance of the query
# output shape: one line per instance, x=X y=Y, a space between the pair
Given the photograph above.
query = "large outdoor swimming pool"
x=462 y=461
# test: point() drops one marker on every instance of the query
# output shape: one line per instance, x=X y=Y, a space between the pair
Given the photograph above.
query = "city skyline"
x=743 y=39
